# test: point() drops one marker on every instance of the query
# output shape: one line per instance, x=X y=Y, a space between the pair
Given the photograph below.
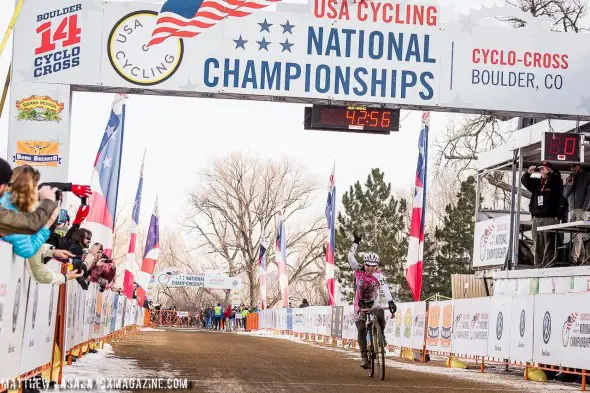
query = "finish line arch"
x=416 y=55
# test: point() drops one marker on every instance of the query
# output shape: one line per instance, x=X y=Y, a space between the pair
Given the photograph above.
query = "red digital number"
x=374 y=118
x=386 y=119
x=570 y=146
x=362 y=117
x=554 y=146
x=350 y=115
x=67 y=32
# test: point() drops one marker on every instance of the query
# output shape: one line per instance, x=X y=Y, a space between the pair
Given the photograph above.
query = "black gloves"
x=392 y=307
x=357 y=237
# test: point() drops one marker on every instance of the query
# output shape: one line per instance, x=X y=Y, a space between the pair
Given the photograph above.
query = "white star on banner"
x=106 y=162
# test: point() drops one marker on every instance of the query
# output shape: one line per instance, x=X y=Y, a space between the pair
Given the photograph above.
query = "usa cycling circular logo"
x=35 y=303
x=51 y=296
x=522 y=325
x=16 y=305
x=134 y=59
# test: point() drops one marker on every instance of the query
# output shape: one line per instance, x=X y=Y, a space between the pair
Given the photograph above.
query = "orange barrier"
x=252 y=321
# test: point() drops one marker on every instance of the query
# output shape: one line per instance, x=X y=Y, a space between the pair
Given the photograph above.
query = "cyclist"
x=368 y=280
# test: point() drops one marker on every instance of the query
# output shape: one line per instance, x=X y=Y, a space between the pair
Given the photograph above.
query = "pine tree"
x=381 y=219
x=455 y=237
x=431 y=282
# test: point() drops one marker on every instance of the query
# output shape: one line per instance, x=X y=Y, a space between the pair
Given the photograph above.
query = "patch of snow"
x=514 y=380
x=149 y=329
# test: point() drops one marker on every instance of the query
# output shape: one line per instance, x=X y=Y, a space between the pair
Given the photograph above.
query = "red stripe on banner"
x=148 y=265
x=128 y=284
x=329 y=256
x=132 y=241
x=176 y=32
x=140 y=296
x=99 y=211
x=181 y=23
x=419 y=182
x=414 y=278
x=330 y=287
x=415 y=227
x=107 y=252
x=246 y=4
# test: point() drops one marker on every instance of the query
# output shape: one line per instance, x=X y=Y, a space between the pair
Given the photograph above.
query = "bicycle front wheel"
x=379 y=350
x=371 y=353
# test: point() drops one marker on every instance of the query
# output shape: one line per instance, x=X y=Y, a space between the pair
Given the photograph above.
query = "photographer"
x=577 y=192
x=102 y=271
x=38 y=269
x=82 y=258
x=23 y=197
x=12 y=221
x=544 y=206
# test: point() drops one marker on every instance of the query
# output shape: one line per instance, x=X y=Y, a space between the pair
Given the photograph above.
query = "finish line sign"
x=416 y=55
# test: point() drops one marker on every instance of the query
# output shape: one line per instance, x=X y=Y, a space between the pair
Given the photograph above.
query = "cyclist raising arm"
x=368 y=279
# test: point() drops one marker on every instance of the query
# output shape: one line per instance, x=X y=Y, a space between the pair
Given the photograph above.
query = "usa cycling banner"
x=470 y=326
x=418 y=53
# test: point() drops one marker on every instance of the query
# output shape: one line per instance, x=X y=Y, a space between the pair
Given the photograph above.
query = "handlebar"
x=374 y=309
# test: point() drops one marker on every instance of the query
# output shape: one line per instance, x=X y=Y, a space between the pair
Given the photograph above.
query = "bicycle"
x=375 y=342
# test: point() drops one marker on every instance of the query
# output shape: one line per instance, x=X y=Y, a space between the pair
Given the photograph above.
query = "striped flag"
x=262 y=273
x=105 y=178
x=331 y=245
x=416 y=241
x=130 y=265
x=281 y=258
x=150 y=256
x=189 y=18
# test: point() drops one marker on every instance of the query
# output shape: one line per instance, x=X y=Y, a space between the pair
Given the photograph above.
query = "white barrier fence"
x=28 y=315
x=549 y=329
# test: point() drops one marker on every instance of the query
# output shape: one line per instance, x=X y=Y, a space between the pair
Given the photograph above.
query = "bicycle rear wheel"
x=371 y=352
x=379 y=350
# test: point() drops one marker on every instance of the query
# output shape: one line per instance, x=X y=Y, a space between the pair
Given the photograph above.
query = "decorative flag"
x=185 y=19
x=331 y=245
x=150 y=256
x=416 y=241
x=281 y=258
x=105 y=178
x=262 y=273
x=130 y=266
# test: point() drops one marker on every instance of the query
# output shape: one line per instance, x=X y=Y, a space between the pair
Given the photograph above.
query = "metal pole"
x=511 y=248
x=477 y=195
x=517 y=218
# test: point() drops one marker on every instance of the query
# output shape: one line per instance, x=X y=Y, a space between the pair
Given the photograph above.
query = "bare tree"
x=236 y=205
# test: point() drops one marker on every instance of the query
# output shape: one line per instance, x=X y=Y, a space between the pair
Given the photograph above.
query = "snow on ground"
x=105 y=365
x=149 y=329
x=496 y=376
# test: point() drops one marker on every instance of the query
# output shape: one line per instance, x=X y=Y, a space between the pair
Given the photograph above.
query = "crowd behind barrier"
x=41 y=324
x=545 y=331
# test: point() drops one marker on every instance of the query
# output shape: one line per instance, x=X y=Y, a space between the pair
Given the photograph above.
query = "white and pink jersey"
x=367 y=285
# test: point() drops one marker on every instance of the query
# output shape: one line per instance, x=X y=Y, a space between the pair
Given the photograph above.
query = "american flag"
x=189 y=18
x=105 y=178
x=416 y=241
x=130 y=266
x=330 y=246
x=281 y=258
x=262 y=273
x=150 y=256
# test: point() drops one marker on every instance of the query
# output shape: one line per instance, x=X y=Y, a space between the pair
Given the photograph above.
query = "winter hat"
x=5 y=172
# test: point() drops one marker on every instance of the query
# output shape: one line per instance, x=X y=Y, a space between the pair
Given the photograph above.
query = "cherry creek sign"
x=415 y=55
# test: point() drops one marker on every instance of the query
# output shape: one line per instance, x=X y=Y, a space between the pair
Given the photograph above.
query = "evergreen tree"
x=382 y=220
x=455 y=237
x=431 y=282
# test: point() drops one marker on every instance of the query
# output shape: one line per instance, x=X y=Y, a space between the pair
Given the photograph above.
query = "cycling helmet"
x=371 y=259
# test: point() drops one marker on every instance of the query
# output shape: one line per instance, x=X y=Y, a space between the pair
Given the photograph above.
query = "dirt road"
x=227 y=362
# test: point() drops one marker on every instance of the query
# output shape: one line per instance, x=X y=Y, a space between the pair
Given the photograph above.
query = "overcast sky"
x=183 y=135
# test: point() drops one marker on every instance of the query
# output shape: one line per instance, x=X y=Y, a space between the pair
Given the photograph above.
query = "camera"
x=108 y=261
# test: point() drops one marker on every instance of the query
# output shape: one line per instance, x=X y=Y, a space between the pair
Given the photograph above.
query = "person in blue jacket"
x=23 y=197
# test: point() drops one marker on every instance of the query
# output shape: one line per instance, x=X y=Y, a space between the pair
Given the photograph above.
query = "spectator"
x=79 y=248
x=217 y=315
x=544 y=208
x=102 y=270
x=23 y=197
x=239 y=320
x=577 y=192
x=227 y=318
x=41 y=274
x=27 y=223
x=304 y=304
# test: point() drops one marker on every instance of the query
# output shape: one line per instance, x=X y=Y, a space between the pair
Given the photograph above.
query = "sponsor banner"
x=470 y=327
x=550 y=312
x=90 y=311
x=79 y=314
x=348 y=326
x=13 y=301
x=172 y=277
x=573 y=331
x=500 y=327
x=70 y=326
x=39 y=321
x=490 y=241
x=182 y=314
x=521 y=330
x=440 y=326
x=419 y=325
x=407 y=314
x=114 y=313
x=39 y=128
x=424 y=55
x=398 y=320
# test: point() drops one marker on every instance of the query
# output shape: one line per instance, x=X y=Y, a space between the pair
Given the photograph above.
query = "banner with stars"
x=413 y=54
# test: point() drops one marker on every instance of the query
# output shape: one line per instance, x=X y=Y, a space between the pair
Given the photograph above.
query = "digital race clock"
x=352 y=118
x=563 y=147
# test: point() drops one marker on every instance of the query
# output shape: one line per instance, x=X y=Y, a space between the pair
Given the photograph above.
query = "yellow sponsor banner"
x=39 y=108
x=37 y=153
